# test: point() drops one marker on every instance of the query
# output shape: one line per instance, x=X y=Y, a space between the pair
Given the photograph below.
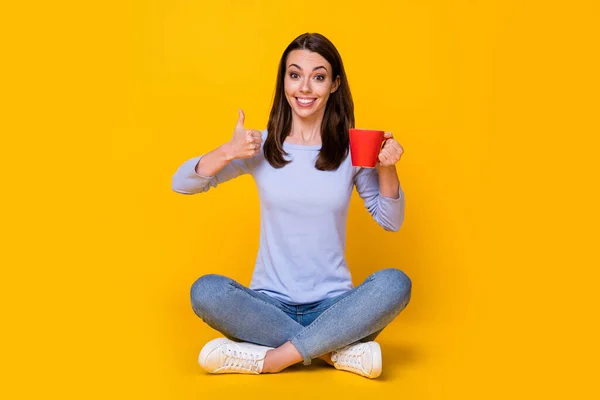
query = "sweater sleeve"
x=388 y=212
x=187 y=181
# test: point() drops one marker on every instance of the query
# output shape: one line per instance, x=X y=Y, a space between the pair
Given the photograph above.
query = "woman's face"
x=308 y=83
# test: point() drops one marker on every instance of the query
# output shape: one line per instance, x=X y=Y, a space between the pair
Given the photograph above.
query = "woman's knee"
x=205 y=290
x=396 y=283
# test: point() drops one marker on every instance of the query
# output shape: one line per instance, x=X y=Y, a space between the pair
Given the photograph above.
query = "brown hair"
x=338 y=116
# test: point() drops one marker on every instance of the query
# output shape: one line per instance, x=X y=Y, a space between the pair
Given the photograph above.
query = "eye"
x=294 y=75
x=320 y=78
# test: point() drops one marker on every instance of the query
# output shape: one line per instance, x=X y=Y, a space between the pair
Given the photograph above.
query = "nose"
x=305 y=87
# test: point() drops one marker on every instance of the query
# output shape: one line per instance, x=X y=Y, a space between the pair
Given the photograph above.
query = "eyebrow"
x=300 y=68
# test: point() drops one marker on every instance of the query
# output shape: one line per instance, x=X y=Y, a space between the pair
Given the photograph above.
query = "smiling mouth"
x=303 y=102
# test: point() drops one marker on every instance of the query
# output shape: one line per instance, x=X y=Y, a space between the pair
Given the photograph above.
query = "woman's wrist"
x=226 y=152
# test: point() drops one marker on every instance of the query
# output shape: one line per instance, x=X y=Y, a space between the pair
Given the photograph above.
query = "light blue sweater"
x=303 y=213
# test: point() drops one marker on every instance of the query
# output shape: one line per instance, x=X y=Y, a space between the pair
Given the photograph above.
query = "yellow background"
x=495 y=103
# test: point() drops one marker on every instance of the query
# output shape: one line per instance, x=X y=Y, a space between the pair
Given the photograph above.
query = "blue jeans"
x=246 y=315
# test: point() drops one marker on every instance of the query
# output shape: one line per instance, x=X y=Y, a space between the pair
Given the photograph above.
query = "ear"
x=336 y=84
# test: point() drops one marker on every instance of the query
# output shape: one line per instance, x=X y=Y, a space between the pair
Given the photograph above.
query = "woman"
x=301 y=303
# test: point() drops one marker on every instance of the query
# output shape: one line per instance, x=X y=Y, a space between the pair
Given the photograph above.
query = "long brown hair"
x=338 y=116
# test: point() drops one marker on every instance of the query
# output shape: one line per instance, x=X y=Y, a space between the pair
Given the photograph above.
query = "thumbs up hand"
x=245 y=143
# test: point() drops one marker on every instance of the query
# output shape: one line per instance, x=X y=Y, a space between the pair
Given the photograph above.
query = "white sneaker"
x=361 y=358
x=224 y=356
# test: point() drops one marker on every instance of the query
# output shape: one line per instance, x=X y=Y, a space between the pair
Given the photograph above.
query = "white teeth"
x=305 y=101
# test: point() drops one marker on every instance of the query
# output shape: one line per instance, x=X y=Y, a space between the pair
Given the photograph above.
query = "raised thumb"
x=240 y=122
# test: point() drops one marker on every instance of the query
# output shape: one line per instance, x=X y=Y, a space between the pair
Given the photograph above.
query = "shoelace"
x=241 y=360
x=350 y=357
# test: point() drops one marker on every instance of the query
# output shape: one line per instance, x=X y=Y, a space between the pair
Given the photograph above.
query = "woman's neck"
x=307 y=132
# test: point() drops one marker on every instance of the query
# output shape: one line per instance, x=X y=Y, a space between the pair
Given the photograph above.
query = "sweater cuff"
x=194 y=161
x=391 y=199
x=188 y=176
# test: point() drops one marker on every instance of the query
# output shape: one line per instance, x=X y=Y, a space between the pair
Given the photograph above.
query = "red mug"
x=365 y=145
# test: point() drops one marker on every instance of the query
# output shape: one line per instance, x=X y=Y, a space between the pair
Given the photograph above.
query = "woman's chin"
x=305 y=114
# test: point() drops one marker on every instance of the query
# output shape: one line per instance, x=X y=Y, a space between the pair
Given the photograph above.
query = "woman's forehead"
x=307 y=59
